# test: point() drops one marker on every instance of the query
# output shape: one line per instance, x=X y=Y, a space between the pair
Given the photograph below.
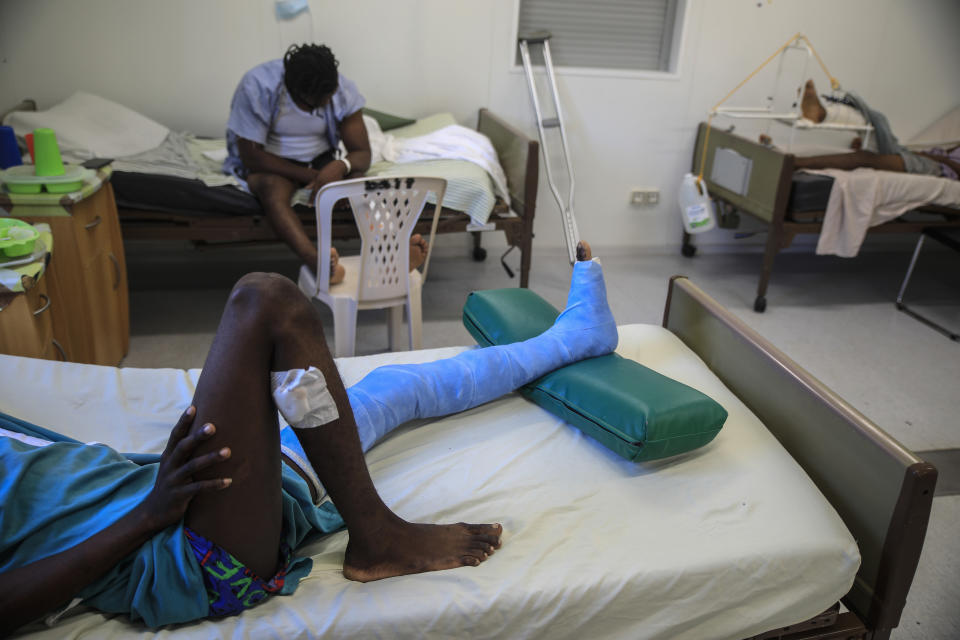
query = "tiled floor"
x=835 y=317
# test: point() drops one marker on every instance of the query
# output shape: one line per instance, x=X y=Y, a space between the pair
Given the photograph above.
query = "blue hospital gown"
x=53 y=497
x=256 y=103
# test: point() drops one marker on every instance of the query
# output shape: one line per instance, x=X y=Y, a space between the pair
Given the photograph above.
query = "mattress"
x=809 y=192
x=724 y=542
x=469 y=187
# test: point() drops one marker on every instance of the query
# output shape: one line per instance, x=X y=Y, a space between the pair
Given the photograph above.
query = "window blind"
x=602 y=34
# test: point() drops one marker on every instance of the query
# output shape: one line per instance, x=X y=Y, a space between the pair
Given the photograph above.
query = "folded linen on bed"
x=181 y=155
x=865 y=198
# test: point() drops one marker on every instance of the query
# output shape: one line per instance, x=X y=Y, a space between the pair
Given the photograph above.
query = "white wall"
x=178 y=61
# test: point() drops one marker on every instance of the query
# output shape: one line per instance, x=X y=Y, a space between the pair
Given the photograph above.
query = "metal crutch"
x=570 y=231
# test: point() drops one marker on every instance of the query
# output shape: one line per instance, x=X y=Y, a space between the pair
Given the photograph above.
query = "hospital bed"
x=787 y=202
x=153 y=206
x=798 y=503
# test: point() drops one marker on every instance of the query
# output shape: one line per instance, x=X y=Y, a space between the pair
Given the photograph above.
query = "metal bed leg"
x=902 y=306
x=906 y=278
x=773 y=246
x=688 y=249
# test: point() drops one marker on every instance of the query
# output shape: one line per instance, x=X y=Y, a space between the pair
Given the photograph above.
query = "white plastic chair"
x=386 y=210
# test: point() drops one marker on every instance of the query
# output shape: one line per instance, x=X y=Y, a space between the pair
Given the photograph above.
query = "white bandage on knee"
x=302 y=398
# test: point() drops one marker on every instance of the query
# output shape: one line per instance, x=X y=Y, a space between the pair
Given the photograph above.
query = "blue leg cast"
x=394 y=394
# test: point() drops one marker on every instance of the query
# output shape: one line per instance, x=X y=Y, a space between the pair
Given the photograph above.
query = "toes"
x=469 y=561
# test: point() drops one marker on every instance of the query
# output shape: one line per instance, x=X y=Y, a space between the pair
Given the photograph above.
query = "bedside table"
x=26 y=327
x=86 y=280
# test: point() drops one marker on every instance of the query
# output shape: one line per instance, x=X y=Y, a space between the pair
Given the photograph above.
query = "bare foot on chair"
x=810 y=104
x=401 y=548
x=337 y=272
x=418 y=251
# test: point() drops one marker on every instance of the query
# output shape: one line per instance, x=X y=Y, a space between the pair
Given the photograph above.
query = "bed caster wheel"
x=688 y=250
x=760 y=304
x=479 y=254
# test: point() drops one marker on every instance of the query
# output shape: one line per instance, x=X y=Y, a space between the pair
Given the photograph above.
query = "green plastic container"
x=17 y=238
x=47 y=153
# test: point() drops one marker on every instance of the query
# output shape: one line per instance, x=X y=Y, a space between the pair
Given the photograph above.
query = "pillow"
x=90 y=126
x=634 y=411
x=385 y=120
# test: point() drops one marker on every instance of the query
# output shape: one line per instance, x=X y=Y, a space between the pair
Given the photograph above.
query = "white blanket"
x=865 y=198
x=724 y=542
x=453 y=142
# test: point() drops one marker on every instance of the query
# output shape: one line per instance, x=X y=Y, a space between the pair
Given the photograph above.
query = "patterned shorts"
x=231 y=586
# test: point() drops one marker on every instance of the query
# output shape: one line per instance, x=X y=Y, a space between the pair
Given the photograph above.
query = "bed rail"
x=882 y=491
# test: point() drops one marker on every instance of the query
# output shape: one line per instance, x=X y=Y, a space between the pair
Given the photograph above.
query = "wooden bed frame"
x=519 y=156
x=881 y=490
x=767 y=199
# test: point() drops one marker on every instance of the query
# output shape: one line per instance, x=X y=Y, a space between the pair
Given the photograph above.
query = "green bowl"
x=64 y=187
x=23 y=187
x=16 y=247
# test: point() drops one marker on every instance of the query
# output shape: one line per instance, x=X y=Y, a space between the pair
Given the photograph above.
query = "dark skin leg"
x=269 y=326
x=853 y=160
x=274 y=192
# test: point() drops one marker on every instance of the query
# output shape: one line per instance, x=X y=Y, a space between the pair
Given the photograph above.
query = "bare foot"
x=584 y=252
x=418 y=251
x=403 y=548
x=337 y=272
x=856 y=143
x=810 y=104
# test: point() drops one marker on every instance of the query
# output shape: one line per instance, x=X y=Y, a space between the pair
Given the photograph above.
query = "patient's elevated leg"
x=394 y=394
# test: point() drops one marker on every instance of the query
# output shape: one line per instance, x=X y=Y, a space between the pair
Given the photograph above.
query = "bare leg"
x=274 y=193
x=810 y=104
x=853 y=160
x=269 y=326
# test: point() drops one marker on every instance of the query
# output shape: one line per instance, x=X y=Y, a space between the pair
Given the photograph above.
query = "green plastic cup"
x=46 y=153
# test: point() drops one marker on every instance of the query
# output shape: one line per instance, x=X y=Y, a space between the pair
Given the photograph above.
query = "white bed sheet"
x=723 y=542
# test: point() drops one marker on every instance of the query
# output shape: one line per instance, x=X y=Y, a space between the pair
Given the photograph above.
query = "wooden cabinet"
x=26 y=328
x=86 y=279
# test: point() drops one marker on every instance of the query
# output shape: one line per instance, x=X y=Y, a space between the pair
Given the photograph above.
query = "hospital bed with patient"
x=798 y=502
x=169 y=184
x=841 y=206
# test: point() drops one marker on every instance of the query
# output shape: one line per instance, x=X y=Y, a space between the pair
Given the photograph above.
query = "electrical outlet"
x=644 y=196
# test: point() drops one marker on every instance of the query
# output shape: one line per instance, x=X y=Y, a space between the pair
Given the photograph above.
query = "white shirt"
x=296 y=134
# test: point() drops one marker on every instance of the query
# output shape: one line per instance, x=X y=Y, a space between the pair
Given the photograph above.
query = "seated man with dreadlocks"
x=287 y=119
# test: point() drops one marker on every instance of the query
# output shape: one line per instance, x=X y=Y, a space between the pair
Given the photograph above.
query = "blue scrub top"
x=256 y=103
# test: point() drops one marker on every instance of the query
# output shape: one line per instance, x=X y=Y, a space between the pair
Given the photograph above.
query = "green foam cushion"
x=387 y=121
x=635 y=411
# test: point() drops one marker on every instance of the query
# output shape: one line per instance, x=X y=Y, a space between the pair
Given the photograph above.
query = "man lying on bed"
x=287 y=119
x=210 y=528
x=890 y=156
